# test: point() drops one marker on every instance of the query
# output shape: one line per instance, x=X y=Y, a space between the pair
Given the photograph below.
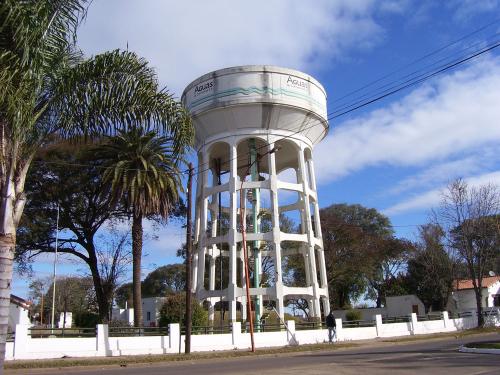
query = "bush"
x=353 y=315
x=86 y=319
x=174 y=308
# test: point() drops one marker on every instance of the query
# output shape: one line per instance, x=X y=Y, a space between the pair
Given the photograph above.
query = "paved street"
x=433 y=357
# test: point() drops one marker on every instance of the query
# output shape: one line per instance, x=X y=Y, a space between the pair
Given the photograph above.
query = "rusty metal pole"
x=245 y=255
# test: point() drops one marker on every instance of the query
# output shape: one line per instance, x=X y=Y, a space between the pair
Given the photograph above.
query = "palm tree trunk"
x=7 y=246
x=136 y=265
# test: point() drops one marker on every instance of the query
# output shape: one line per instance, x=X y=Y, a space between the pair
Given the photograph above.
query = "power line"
x=386 y=93
x=343 y=110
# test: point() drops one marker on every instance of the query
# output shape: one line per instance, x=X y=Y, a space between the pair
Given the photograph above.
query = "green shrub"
x=174 y=308
x=86 y=319
x=353 y=315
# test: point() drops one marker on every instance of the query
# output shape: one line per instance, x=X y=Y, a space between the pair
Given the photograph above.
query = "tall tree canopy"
x=142 y=175
x=360 y=251
x=431 y=269
x=50 y=91
x=470 y=217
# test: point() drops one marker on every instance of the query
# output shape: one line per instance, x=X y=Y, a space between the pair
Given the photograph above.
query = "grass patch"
x=483 y=345
x=143 y=359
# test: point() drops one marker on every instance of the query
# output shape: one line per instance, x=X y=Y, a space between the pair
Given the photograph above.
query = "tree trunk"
x=103 y=300
x=7 y=247
x=479 y=306
x=136 y=266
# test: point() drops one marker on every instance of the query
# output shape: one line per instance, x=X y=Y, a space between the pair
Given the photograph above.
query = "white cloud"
x=455 y=115
x=432 y=198
x=464 y=9
x=185 y=39
x=448 y=170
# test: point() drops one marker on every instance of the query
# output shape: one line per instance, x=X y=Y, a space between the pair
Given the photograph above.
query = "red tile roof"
x=467 y=284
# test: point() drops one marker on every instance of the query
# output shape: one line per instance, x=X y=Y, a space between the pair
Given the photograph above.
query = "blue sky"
x=395 y=155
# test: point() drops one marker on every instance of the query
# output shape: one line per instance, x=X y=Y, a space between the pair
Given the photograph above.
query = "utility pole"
x=189 y=250
x=52 y=322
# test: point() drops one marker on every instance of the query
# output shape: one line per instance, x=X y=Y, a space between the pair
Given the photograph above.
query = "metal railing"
x=358 y=323
x=37 y=332
x=10 y=336
x=427 y=317
x=137 y=331
x=302 y=326
x=208 y=330
x=396 y=319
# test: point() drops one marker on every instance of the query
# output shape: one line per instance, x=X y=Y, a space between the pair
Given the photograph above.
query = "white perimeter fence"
x=26 y=344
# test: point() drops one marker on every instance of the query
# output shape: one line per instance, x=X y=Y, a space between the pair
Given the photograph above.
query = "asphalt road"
x=421 y=357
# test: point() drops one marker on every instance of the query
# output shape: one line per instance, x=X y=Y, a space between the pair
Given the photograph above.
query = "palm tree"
x=141 y=170
x=49 y=91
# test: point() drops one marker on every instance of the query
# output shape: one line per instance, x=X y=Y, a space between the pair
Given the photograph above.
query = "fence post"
x=446 y=319
x=414 y=324
x=338 y=330
x=236 y=334
x=174 y=337
x=102 y=340
x=378 y=324
x=21 y=337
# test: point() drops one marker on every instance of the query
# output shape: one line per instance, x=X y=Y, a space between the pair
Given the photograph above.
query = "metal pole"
x=256 y=223
x=189 y=246
x=245 y=255
x=55 y=272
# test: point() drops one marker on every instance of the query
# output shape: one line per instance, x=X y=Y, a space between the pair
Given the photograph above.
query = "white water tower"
x=256 y=127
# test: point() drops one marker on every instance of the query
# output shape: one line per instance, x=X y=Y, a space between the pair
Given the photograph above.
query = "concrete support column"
x=290 y=333
x=310 y=234
x=339 y=330
x=211 y=312
x=378 y=324
x=414 y=324
x=174 y=338
x=21 y=340
x=102 y=340
x=233 y=207
x=236 y=334
x=446 y=319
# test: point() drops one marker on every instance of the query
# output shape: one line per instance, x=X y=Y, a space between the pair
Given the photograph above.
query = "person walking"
x=332 y=327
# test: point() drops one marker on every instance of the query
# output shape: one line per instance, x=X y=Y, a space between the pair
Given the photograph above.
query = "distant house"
x=150 y=312
x=18 y=312
x=463 y=297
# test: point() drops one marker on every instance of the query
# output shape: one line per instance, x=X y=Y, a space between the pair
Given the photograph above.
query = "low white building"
x=18 y=312
x=150 y=312
x=395 y=306
x=463 y=297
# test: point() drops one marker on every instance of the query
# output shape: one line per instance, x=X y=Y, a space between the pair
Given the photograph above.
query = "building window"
x=496 y=300
x=148 y=316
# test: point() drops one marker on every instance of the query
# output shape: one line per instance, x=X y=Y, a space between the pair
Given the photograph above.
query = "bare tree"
x=470 y=217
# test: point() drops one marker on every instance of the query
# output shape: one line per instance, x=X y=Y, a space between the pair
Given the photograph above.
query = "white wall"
x=403 y=305
x=151 y=310
x=17 y=315
x=26 y=347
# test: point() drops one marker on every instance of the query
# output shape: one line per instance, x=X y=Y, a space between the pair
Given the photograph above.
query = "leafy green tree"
x=470 y=219
x=124 y=295
x=431 y=269
x=164 y=281
x=174 y=310
x=69 y=176
x=50 y=91
x=141 y=170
